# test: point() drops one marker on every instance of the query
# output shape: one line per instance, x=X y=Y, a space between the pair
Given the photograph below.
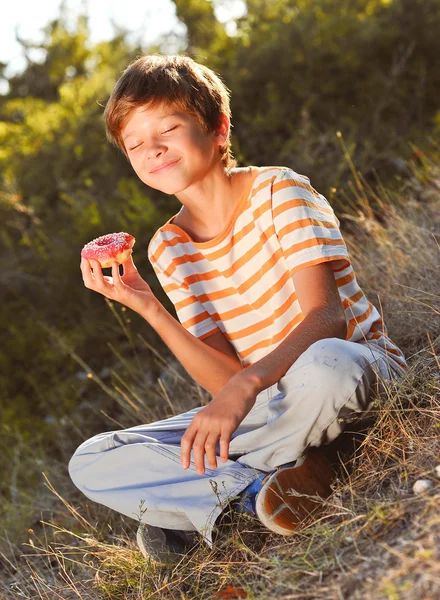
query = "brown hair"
x=174 y=79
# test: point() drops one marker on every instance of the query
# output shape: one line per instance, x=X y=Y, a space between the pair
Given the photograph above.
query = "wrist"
x=152 y=312
x=249 y=381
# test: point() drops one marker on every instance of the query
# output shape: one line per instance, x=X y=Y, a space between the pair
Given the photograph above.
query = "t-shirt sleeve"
x=305 y=224
x=189 y=310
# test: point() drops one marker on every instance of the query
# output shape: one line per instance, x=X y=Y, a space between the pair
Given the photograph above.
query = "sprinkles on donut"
x=110 y=248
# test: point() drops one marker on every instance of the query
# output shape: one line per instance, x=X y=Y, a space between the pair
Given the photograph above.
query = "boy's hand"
x=129 y=289
x=219 y=419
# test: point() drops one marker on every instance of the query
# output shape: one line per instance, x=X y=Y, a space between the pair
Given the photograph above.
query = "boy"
x=272 y=323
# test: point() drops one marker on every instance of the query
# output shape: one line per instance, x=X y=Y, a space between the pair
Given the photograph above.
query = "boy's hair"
x=176 y=80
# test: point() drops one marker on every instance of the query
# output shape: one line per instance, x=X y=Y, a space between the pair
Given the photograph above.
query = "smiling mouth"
x=165 y=167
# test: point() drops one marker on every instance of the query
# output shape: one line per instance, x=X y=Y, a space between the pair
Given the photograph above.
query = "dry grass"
x=376 y=538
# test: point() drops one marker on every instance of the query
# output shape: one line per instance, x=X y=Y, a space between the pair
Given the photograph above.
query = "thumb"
x=129 y=266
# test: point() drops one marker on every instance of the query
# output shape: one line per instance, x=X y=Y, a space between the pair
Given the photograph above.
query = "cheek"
x=201 y=141
x=136 y=162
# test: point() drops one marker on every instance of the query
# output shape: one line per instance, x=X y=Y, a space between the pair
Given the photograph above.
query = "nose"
x=155 y=149
x=152 y=154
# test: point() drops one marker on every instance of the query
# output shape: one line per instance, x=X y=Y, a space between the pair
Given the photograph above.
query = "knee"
x=81 y=464
x=75 y=468
x=328 y=371
x=329 y=360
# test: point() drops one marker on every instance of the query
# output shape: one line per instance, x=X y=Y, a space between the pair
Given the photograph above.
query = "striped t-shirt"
x=240 y=282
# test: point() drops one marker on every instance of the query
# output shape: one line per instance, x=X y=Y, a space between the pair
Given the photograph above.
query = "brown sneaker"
x=284 y=499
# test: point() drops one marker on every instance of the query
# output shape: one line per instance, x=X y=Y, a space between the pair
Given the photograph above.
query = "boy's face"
x=168 y=149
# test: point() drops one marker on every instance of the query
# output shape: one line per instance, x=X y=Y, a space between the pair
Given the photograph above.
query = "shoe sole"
x=155 y=546
x=282 y=502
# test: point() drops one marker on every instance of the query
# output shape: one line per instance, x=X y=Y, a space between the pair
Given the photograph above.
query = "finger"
x=186 y=445
x=199 y=451
x=210 y=449
x=86 y=273
x=224 y=447
x=99 y=277
x=129 y=266
x=116 y=276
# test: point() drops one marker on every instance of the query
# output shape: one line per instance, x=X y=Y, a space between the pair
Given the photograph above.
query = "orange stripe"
x=269 y=264
x=211 y=257
x=375 y=336
x=209 y=275
x=297 y=202
x=347 y=264
x=312 y=243
x=249 y=308
x=197 y=319
x=392 y=350
x=198 y=256
x=187 y=301
x=246 y=285
x=301 y=223
x=357 y=320
x=170 y=287
x=206 y=297
x=274 y=339
x=260 y=210
x=251 y=329
x=241 y=310
x=234 y=240
x=296 y=183
x=205 y=335
x=341 y=281
x=389 y=349
x=246 y=309
x=164 y=244
x=245 y=258
x=316 y=261
x=270 y=293
x=347 y=302
x=181 y=260
x=247 y=229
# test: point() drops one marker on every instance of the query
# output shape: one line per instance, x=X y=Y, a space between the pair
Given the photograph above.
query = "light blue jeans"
x=137 y=471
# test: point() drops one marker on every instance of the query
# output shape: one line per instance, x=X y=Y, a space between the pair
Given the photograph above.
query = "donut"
x=110 y=248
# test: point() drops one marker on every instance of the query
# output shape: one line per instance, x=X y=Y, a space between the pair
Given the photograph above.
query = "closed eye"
x=172 y=129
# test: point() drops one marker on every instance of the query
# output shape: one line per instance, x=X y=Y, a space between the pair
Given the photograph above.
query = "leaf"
x=231 y=592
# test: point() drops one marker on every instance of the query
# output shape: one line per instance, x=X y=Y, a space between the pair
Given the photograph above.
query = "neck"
x=209 y=202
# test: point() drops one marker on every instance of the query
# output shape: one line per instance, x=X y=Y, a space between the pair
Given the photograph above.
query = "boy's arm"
x=324 y=317
x=211 y=363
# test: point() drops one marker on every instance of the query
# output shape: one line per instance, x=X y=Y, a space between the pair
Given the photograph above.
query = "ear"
x=222 y=130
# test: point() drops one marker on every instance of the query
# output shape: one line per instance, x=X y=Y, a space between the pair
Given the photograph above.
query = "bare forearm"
x=316 y=326
x=211 y=368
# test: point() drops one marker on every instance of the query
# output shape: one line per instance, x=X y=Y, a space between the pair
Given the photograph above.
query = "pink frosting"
x=107 y=247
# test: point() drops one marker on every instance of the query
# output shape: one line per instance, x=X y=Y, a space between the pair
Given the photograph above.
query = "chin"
x=168 y=184
x=169 y=187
